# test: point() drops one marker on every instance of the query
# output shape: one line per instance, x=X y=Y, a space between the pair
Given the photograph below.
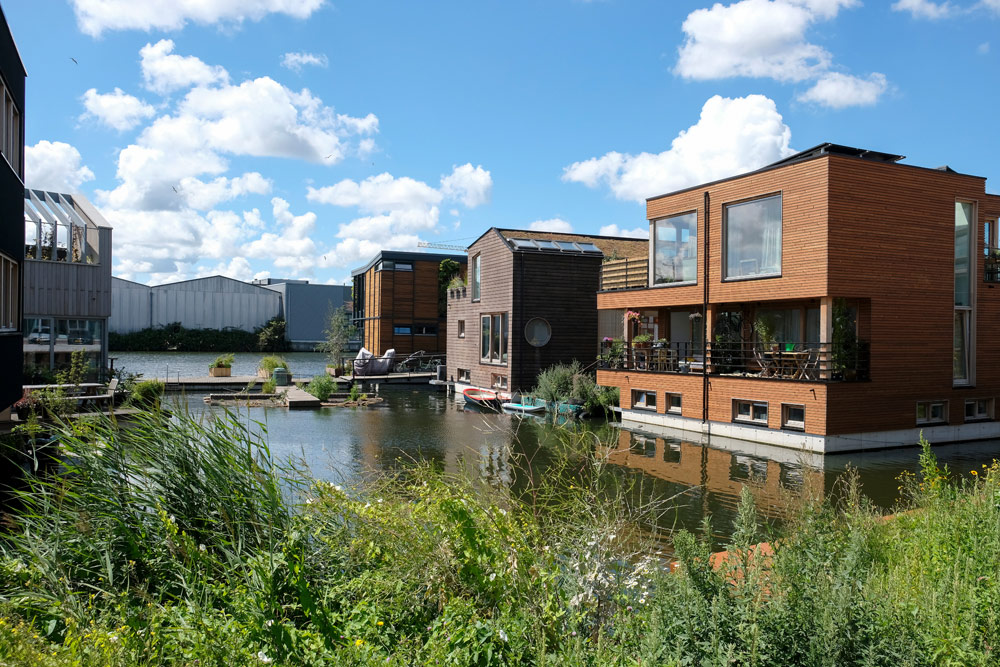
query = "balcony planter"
x=220 y=372
x=335 y=371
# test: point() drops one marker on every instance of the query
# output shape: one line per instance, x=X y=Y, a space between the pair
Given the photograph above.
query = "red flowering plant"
x=632 y=316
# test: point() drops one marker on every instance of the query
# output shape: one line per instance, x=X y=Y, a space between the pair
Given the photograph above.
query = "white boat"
x=523 y=407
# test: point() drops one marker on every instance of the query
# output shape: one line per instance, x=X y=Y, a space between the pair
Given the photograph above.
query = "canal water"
x=417 y=423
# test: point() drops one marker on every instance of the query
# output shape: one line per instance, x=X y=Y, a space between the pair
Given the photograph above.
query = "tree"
x=447 y=270
x=339 y=332
x=272 y=336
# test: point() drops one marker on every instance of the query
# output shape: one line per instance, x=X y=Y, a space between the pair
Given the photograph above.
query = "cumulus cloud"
x=551 y=225
x=116 y=109
x=838 y=91
x=615 y=230
x=96 y=16
x=760 y=39
x=731 y=136
x=293 y=248
x=377 y=194
x=164 y=71
x=470 y=185
x=55 y=166
x=925 y=9
x=296 y=61
x=203 y=195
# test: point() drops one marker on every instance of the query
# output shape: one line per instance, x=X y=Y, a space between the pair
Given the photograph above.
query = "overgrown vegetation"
x=339 y=332
x=321 y=386
x=269 y=338
x=176 y=542
x=147 y=394
x=269 y=363
x=569 y=383
x=223 y=361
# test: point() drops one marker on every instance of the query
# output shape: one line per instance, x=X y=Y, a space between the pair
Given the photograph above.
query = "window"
x=10 y=131
x=476 y=276
x=751 y=234
x=793 y=417
x=464 y=375
x=674 y=403
x=537 y=332
x=754 y=412
x=425 y=329
x=932 y=412
x=385 y=266
x=404 y=266
x=498 y=381
x=403 y=330
x=675 y=249
x=965 y=217
x=643 y=400
x=978 y=409
x=461 y=328
x=10 y=293
x=493 y=338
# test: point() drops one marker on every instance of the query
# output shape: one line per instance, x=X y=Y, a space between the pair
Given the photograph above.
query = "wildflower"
x=309 y=501
x=359 y=642
x=573 y=634
x=269 y=622
x=263 y=658
x=503 y=635
x=380 y=623
x=202 y=548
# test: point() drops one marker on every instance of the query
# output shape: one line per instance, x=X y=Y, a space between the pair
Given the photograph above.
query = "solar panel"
x=588 y=247
x=566 y=245
x=523 y=244
x=546 y=245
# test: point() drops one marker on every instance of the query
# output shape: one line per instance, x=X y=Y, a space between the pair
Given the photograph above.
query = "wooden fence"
x=625 y=273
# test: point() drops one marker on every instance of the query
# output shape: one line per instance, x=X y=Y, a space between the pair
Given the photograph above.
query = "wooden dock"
x=236 y=383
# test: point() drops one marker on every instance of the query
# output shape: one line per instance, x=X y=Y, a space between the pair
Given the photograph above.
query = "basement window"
x=793 y=417
x=932 y=412
x=643 y=400
x=674 y=403
x=753 y=412
x=978 y=409
x=464 y=375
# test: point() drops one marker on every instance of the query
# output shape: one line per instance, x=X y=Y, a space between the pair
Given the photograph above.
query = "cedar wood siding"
x=562 y=290
x=397 y=298
x=891 y=241
x=496 y=282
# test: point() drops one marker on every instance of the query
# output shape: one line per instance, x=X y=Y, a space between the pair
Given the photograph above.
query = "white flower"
x=336 y=487
x=309 y=501
x=202 y=548
x=503 y=635
x=269 y=622
x=493 y=575
x=263 y=658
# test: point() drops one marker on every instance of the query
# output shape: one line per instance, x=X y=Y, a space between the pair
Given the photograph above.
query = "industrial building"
x=66 y=284
x=11 y=229
x=218 y=302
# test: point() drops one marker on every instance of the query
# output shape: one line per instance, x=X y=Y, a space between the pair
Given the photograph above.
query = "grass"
x=178 y=542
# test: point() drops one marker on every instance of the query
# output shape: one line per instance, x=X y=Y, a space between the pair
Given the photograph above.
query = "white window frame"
x=792 y=424
x=969 y=311
x=725 y=238
x=477 y=278
x=753 y=417
x=928 y=417
x=464 y=375
x=498 y=356
x=653 y=246
x=669 y=402
x=461 y=328
x=986 y=414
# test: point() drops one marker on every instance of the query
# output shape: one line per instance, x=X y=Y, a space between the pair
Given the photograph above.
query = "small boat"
x=523 y=407
x=483 y=398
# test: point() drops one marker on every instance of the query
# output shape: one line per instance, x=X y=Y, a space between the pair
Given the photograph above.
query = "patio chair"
x=412 y=363
x=766 y=364
x=810 y=368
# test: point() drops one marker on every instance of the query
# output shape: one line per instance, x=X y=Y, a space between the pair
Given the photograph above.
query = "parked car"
x=79 y=337
x=40 y=335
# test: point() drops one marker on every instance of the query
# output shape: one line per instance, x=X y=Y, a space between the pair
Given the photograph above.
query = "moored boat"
x=523 y=407
x=483 y=398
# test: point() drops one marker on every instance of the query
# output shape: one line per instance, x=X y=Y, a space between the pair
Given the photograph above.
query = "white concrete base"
x=807 y=442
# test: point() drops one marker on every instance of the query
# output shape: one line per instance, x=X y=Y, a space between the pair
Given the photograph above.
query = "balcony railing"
x=625 y=274
x=991 y=263
x=813 y=362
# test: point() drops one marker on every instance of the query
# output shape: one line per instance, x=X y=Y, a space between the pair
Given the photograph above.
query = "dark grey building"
x=12 y=76
x=306 y=308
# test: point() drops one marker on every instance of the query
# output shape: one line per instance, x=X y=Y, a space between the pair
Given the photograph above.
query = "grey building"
x=306 y=308
x=67 y=283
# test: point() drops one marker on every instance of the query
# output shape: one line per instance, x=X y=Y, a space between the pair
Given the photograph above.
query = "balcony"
x=620 y=274
x=991 y=264
x=806 y=362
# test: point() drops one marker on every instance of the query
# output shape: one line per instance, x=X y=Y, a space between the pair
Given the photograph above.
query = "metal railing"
x=619 y=274
x=815 y=362
x=419 y=362
x=991 y=265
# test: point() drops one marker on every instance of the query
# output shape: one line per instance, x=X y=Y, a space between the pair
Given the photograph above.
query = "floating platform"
x=235 y=383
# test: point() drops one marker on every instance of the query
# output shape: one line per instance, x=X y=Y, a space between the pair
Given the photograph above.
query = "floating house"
x=530 y=303
x=67 y=284
x=12 y=76
x=836 y=300
x=399 y=302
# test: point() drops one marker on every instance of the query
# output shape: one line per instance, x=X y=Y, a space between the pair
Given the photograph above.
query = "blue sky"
x=294 y=138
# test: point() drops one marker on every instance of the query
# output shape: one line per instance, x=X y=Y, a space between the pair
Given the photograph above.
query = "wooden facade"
x=397 y=303
x=12 y=75
x=527 y=286
x=870 y=233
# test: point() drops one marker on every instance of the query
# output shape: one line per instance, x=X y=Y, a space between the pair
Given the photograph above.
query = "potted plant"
x=266 y=366
x=659 y=343
x=222 y=367
x=764 y=329
x=27 y=404
x=642 y=340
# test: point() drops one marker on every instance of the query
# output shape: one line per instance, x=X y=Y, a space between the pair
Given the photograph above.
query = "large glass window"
x=965 y=222
x=476 y=277
x=10 y=293
x=493 y=339
x=675 y=249
x=752 y=238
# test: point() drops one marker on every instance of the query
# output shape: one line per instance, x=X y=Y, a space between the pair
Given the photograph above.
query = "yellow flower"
x=359 y=642
x=380 y=623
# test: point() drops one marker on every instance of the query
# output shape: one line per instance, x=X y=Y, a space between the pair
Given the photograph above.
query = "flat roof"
x=409 y=256
x=816 y=152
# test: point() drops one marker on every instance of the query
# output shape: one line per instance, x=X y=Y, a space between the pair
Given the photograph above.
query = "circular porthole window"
x=537 y=332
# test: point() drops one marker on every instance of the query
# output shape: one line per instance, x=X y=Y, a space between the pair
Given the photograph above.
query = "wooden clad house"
x=398 y=304
x=836 y=300
x=12 y=76
x=531 y=302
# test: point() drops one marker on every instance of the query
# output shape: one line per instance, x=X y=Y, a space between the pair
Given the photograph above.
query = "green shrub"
x=272 y=337
x=269 y=386
x=556 y=382
x=176 y=337
x=268 y=364
x=223 y=361
x=321 y=387
x=354 y=393
x=147 y=393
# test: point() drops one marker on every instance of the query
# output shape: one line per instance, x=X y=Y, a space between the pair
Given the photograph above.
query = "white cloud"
x=55 y=166
x=117 y=109
x=203 y=196
x=378 y=194
x=615 y=230
x=470 y=185
x=925 y=9
x=759 y=38
x=237 y=268
x=731 y=136
x=992 y=4
x=838 y=91
x=164 y=72
x=293 y=248
x=551 y=225
x=95 y=16
x=296 y=61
